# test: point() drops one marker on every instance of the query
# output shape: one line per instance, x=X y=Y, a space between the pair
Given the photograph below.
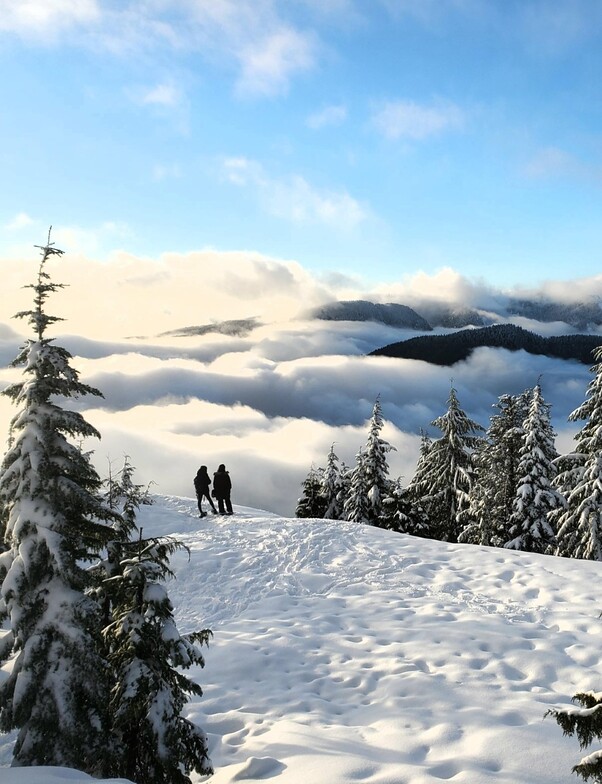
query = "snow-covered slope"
x=342 y=653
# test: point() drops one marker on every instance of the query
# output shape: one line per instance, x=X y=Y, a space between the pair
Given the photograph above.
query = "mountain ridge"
x=458 y=346
x=429 y=315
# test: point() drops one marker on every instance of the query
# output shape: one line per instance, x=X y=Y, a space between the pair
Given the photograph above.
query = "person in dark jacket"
x=222 y=486
x=201 y=486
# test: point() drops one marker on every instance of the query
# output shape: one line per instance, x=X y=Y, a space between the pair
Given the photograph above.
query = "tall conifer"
x=445 y=474
x=579 y=524
x=535 y=498
x=496 y=463
x=53 y=521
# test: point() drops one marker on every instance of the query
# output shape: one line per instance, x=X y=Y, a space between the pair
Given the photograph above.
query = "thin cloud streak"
x=294 y=198
x=411 y=121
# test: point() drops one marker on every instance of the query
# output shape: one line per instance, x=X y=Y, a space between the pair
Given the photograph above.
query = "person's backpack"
x=197 y=482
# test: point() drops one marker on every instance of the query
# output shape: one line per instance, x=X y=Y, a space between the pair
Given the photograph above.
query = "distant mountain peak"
x=234 y=327
x=389 y=313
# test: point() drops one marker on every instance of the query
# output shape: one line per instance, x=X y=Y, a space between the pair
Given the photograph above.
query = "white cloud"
x=143 y=296
x=413 y=121
x=252 y=38
x=330 y=115
x=162 y=95
x=45 y=19
x=293 y=198
x=446 y=285
x=268 y=64
x=20 y=221
x=88 y=240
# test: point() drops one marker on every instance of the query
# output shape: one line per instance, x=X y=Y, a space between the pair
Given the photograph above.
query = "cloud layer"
x=271 y=402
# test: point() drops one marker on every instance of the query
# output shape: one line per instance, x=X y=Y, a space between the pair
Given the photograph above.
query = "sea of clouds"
x=268 y=401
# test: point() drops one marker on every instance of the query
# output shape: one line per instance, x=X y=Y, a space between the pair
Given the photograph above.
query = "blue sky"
x=374 y=137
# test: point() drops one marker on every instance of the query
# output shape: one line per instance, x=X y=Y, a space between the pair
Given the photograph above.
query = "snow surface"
x=342 y=653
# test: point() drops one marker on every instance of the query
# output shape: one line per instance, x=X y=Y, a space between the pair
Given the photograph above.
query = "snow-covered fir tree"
x=445 y=473
x=369 y=482
x=150 y=740
x=125 y=498
x=332 y=485
x=312 y=502
x=496 y=463
x=53 y=521
x=357 y=508
x=375 y=466
x=154 y=743
x=585 y=722
x=536 y=498
x=579 y=479
x=345 y=474
x=401 y=515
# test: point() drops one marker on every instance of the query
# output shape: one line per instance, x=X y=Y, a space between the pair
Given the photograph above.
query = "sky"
x=344 y=653
x=374 y=138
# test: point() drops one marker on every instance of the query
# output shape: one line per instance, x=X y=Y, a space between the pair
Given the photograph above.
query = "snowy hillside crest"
x=346 y=653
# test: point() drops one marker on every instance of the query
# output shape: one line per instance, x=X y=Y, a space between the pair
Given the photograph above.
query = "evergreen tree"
x=150 y=740
x=154 y=743
x=331 y=488
x=126 y=497
x=401 y=515
x=445 y=473
x=312 y=503
x=369 y=484
x=535 y=497
x=579 y=524
x=586 y=723
x=496 y=463
x=357 y=508
x=53 y=521
x=345 y=474
x=375 y=466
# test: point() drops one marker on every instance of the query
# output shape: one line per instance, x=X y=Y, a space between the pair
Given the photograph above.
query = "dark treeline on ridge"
x=457 y=346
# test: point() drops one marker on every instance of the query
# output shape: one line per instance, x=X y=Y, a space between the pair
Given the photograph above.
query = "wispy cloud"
x=413 y=121
x=252 y=38
x=268 y=64
x=20 y=221
x=330 y=115
x=46 y=19
x=554 y=162
x=554 y=26
x=294 y=198
x=165 y=94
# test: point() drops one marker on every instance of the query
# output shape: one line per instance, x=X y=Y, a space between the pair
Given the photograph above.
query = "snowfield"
x=342 y=653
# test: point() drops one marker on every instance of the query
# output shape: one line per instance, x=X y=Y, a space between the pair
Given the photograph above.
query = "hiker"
x=201 y=486
x=222 y=486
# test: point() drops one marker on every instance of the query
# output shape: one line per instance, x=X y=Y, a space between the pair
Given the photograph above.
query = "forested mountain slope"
x=457 y=346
